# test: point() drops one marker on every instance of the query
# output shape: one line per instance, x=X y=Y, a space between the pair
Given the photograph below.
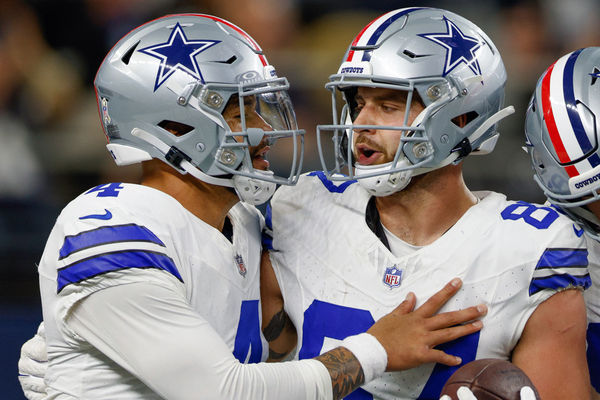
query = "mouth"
x=366 y=155
x=259 y=158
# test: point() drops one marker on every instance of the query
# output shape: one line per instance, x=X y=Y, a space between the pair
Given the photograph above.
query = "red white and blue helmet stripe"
x=569 y=138
x=369 y=35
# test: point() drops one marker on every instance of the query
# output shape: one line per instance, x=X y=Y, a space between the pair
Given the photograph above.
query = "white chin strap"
x=249 y=189
x=254 y=191
x=386 y=183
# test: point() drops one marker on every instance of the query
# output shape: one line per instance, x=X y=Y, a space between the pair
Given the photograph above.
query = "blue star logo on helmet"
x=460 y=48
x=178 y=53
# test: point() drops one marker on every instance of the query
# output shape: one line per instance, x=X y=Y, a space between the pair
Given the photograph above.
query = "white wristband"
x=369 y=352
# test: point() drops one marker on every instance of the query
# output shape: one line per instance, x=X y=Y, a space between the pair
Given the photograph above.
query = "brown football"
x=489 y=379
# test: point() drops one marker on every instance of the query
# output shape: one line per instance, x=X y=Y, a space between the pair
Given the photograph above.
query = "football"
x=489 y=379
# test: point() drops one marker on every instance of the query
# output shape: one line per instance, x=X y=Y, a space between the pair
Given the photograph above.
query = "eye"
x=356 y=110
x=389 y=107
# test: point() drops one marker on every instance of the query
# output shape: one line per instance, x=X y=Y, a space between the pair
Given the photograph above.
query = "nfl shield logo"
x=392 y=277
x=240 y=264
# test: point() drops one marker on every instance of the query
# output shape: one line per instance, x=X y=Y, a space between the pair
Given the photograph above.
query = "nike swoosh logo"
x=106 y=215
x=578 y=232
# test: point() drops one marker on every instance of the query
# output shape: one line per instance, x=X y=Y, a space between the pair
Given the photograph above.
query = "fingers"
x=449 y=334
x=452 y=318
x=464 y=393
x=435 y=302
x=407 y=305
x=33 y=387
x=527 y=393
x=35 y=349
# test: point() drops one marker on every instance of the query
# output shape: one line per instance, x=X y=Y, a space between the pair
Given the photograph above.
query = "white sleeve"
x=151 y=331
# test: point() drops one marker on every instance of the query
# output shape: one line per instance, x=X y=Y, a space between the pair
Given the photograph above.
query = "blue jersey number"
x=247 y=338
x=106 y=190
x=323 y=320
x=525 y=210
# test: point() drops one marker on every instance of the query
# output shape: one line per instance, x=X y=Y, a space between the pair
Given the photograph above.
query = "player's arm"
x=277 y=327
x=551 y=350
x=188 y=359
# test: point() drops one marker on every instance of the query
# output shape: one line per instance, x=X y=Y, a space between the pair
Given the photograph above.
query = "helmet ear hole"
x=464 y=119
x=176 y=128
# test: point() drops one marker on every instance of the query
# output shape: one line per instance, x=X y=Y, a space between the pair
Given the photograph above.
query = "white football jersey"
x=337 y=277
x=116 y=234
x=592 y=301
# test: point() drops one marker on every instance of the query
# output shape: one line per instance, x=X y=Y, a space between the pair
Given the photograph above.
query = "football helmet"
x=442 y=59
x=561 y=129
x=183 y=70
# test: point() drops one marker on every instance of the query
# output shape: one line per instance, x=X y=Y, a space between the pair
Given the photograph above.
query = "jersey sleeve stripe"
x=559 y=281
x=103 y=263
x=562 y=258
x=107 y=235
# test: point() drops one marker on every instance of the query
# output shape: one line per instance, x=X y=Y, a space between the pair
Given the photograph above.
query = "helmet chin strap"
x=249 y=190
x=386 y=183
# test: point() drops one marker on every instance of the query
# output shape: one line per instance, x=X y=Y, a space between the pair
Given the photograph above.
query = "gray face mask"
x=441 y=58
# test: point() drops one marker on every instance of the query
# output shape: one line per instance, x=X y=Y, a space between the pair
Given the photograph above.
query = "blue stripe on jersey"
x=571 y=103
x=106 y=235
x=593 y=354
x=464 y=347
x=267 y=236
x=332 y=187
x=562 y=258
x=269 y=216
x=103 y=263
x=559 y=281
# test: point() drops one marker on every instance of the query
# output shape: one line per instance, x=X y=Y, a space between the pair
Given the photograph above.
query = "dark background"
x=52 y=146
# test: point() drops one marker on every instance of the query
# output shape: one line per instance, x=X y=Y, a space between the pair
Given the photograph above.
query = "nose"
x=364 y=117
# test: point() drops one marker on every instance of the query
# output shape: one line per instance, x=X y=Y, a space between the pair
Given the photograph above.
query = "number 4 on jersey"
x=106 y=190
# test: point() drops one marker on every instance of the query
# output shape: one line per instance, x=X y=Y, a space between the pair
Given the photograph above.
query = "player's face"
x=378 y=106
x=232 y=116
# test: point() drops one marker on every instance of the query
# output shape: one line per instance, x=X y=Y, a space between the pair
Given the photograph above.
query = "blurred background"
x=52 y=145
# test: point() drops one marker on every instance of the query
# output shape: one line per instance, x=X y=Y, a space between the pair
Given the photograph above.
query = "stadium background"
x=52 y=146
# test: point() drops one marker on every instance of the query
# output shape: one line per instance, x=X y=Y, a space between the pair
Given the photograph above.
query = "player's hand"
x=409 y=337
x=464 y=393
x=33 y=364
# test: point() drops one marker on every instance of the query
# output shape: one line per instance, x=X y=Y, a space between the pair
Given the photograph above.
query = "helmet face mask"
x=442 y=59
x=184 y=70
x=561 y=128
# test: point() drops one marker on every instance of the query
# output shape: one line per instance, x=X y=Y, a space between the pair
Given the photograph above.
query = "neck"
x=430 y=205
x=210 y=203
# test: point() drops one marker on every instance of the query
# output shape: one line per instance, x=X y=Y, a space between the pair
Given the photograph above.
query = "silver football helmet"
x=562 y=127
x=183 y=71
x=443 y=59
